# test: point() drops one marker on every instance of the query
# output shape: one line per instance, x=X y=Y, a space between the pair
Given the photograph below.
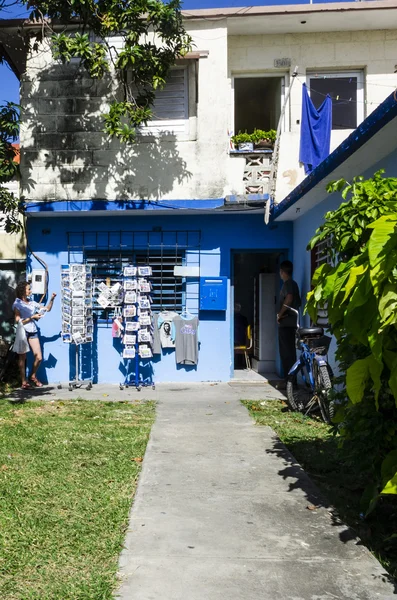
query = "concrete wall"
x=238 y=232
x=373 y=51
x=66 y=156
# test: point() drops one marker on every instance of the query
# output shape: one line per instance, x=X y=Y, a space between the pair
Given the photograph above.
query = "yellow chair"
x=246 y=349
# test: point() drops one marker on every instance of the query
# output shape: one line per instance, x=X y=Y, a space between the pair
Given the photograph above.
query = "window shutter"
x=170 y=110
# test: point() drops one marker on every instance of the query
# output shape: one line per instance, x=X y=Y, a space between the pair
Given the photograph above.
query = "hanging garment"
x=316 y=128
x=156 y=335
x=164 y=322
x=186 y=336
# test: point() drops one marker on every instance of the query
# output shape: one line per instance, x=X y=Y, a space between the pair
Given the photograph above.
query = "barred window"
x=320 y=255
x=168 y=290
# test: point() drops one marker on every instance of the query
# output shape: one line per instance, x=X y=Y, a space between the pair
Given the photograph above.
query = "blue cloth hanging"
x=316 y=128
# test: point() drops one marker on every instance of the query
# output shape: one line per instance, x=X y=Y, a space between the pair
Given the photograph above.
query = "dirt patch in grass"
x=68 y=474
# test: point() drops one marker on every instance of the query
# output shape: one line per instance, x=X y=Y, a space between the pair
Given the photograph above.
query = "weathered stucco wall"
x=67 y=157
x=372 y=51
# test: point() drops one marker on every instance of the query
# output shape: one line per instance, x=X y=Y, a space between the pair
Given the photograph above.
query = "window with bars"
x=320 y=255
x=168 y=290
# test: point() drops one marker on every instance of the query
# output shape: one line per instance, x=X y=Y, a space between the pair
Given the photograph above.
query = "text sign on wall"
x=282 y=63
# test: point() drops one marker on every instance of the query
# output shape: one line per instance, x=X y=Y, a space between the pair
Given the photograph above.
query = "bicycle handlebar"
x=297 y=314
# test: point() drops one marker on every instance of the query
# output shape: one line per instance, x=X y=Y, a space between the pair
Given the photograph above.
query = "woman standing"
x=28 y=312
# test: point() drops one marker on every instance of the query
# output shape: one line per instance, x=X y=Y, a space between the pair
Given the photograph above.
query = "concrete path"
x=221 y=513
x=164 y=392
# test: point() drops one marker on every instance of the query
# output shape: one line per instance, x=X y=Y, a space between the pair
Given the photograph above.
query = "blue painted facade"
x=221 y=234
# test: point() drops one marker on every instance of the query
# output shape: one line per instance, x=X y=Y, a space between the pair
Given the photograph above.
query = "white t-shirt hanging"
x=164 y=323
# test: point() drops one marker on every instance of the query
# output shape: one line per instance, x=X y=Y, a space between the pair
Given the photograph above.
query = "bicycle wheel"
x=323 y=388
x=299 y=391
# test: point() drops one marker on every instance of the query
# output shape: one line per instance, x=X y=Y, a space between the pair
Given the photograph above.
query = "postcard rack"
x=77 y=317
x=136 y=325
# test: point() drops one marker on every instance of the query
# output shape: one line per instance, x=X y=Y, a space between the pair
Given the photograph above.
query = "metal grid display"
x=108 y=252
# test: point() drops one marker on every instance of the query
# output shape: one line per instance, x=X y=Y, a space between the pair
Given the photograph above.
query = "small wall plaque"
x=282 y=63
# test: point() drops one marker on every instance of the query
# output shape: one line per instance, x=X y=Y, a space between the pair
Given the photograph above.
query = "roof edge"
x=243 y=11
x=382 y=115
x=252 y=11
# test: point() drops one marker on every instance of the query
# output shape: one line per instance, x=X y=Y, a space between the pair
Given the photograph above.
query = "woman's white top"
x=27 y=310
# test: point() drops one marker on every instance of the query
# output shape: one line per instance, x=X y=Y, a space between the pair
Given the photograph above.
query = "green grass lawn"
x=316 y=448
x=68 y=474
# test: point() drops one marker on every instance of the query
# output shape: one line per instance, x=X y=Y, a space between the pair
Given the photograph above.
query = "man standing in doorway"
x=287 y=319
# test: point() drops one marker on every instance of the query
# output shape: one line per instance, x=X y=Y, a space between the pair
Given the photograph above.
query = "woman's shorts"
x=31 y=335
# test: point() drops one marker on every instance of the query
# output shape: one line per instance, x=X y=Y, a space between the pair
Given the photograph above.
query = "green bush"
x=241 y=138
x=359 y=288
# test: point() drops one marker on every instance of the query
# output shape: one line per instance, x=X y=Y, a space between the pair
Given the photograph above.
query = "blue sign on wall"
x=213 y=293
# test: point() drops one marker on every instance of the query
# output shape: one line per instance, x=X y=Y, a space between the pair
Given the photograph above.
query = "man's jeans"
x=286 y=341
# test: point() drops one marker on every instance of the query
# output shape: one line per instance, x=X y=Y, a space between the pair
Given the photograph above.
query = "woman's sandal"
x=26 y=386
x=36 y=382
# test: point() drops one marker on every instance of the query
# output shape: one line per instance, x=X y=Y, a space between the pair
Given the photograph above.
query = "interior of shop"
x=255 y=284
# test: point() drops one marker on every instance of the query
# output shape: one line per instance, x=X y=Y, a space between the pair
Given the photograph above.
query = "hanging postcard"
x=130 y=298
x=145 y=271
x=129 y=352
x=145 y=351
x=129 y=271
x=129 y=311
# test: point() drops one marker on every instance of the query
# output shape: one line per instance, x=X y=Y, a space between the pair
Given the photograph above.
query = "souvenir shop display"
x=77 y=315
x=137 y=322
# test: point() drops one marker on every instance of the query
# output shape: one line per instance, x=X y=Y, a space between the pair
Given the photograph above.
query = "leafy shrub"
x=360 y=290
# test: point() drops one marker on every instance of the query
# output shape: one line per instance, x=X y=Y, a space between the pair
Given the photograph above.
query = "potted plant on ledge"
x=264 y=139
x=243 y=141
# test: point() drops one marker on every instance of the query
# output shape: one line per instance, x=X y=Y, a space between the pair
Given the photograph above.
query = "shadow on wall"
x=64 y=144
x=9 y=277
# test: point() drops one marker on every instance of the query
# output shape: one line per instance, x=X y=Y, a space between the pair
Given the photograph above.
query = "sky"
x=9 y=85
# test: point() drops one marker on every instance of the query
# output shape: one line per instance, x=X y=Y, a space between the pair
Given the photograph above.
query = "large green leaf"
x=389 y=466
x=355 y=273
x=391 y=486
x=358 y=374
x=381 y=249
x=393 y=384
x=388 y=301
x=356 y=379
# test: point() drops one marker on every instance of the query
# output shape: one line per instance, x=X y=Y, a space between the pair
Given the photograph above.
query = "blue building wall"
x=220 y=235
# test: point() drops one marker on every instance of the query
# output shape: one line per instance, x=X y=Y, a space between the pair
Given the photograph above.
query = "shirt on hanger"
x=156 y=335
x=164 y=323
x=186 y=340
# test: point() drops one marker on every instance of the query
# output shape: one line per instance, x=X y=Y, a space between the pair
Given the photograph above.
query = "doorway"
x=255 y=285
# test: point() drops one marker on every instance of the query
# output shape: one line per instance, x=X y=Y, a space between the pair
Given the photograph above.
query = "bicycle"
x=309 y=381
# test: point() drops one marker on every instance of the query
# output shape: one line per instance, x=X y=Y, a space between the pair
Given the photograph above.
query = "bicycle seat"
x=306 y=332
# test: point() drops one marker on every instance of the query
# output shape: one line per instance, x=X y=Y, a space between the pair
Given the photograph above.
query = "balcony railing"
x=256 y=177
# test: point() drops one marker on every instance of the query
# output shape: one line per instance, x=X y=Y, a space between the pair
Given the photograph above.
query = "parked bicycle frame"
x=312 y=368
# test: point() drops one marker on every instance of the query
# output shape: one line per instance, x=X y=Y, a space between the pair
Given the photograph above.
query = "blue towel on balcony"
x=316 y=128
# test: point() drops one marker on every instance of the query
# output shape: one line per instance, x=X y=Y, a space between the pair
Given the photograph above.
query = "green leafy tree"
x=360 y=291
x=10 y=204
x=153 y=39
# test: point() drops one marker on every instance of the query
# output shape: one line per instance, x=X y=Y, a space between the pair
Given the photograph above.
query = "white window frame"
x=284 y=84
x=360 y=74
